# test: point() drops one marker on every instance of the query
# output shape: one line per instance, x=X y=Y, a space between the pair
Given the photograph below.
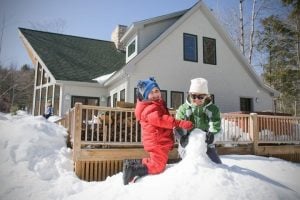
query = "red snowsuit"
x=157 y=133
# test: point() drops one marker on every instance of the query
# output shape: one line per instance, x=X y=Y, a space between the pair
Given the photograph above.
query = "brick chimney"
x=117 y=34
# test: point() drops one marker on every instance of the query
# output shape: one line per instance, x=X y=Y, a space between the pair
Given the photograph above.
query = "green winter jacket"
x=205 y=117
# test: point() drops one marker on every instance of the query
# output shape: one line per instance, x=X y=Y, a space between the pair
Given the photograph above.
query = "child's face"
x=154 y=94
x=197 y=99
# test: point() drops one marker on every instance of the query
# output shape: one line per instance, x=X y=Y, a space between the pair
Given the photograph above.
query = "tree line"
x=16 y=88
x=268 y=35
x=280 y=41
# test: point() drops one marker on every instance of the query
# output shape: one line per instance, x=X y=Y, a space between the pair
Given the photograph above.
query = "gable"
x=199 y=21
x=72 y=58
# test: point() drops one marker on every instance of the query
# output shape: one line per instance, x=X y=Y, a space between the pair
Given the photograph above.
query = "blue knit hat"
x=145 y=87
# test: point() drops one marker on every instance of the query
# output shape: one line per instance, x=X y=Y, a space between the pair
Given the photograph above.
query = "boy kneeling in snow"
x=157 y=135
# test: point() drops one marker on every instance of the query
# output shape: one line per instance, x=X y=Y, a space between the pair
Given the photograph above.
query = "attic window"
x=190 y=47
x=131 y=48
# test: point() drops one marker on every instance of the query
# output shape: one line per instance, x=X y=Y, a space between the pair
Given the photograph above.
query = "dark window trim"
x=124 y=92
x=212 y=96
x=115 y=99
x=196 y=48
x=204 y=51
x=177 y=92
x=164 y=92
x=250 y=101
x=131 y=48
x=108 y=101
x=86 y=97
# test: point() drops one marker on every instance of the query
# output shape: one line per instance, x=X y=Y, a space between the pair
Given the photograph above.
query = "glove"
x=188 y=125
x=209 y=138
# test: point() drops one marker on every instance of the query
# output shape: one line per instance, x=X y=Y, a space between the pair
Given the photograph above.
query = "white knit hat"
x=199 y=85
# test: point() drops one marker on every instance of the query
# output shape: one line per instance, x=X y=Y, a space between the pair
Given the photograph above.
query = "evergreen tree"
x=280 y=39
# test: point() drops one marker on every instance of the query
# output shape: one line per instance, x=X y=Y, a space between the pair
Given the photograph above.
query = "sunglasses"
x=198 y=96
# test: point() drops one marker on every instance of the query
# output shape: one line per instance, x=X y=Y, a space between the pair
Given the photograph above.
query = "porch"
x=102 y=137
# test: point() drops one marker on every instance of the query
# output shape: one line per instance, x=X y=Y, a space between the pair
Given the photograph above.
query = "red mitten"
x=188 y=125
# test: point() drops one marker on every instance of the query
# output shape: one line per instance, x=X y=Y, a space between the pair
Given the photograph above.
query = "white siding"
x=76 y=90
x=228 y=80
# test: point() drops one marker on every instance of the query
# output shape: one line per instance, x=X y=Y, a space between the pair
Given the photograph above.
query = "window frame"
x=129 y=54
x=115 y=99
x=172 y=101
x=186 y=48
x=85 y=100
x=207 y=42
x=122 y=95
x=249 y=101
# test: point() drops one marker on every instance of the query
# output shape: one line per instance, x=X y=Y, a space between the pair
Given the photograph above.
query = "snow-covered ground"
x=36 y=164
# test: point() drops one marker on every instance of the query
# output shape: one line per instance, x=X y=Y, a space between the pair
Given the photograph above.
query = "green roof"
x=73 y=58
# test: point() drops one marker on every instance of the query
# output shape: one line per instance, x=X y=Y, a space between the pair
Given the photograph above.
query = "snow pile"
x=35 y=164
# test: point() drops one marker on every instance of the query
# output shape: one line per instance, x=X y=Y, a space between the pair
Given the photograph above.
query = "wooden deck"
x=102 y=137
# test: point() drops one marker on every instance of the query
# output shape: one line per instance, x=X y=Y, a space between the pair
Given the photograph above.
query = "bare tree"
x=241 y=39
x=2 y=27
x=253 y=16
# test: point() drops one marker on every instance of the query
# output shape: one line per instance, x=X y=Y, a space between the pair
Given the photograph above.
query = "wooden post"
x=254 y=131
x=77 y=137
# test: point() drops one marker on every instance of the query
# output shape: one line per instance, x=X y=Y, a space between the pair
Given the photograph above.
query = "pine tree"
x=280 y=39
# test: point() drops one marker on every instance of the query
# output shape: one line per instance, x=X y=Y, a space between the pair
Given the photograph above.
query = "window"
x=209 y=51
x=177 y=99
x=164 y=95
x=135 y=97
x=108 y=101
x=246 y=104
x=94 y=101
x=190 y=47
x=122 y=95
x=115 y=99
x=131 y=48
x=212 y=96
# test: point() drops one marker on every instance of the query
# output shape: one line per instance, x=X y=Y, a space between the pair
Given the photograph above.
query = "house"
x=174 y=48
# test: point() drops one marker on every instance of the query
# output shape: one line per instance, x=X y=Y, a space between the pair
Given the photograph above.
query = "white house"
x=174 y=48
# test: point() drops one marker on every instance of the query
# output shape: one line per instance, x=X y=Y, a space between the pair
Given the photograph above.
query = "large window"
x=94 y=101
x=190 y=47
x=115 y=99
x=246 y=104
x=209 y=51
x=177 y=99
x=109 y=101
x=122 y=95
x=164 y=95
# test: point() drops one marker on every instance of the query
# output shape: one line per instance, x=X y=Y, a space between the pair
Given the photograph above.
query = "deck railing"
x=101 y=137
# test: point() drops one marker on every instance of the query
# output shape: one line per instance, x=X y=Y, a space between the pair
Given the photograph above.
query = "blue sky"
x=87 y=18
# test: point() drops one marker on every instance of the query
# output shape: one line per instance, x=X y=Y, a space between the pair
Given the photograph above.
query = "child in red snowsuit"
x=157 y=131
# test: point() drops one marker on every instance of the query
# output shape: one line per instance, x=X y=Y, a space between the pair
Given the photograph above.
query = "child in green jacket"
x=199 y=109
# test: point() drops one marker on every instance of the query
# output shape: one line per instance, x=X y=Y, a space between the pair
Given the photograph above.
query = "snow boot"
x=212 y=154
x=182 y=136
x=133 y=168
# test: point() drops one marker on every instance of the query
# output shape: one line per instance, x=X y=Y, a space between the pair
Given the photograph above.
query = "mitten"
x=188 y=125
x=209 y=138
